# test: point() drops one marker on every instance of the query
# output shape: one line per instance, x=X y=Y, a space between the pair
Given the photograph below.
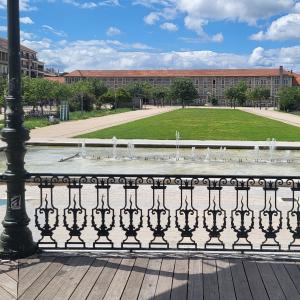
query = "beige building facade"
x=209 y=83
x=30 y=65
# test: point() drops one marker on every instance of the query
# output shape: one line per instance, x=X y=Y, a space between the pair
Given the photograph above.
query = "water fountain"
x=130 y=149
x=177 y=145
x=272 y=148
x=83 y=150
x=207 y=155
x=114 y=150
x=256 y=153
x=193 y=154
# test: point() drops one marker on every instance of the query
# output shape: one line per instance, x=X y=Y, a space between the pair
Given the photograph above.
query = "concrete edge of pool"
x=71 y=142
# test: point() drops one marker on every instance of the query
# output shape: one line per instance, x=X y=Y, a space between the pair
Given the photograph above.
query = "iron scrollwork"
x=101 y=212
x=131 y=216
x=159 y=212
x=47 y=211
x=188 y=212
x=76 y=212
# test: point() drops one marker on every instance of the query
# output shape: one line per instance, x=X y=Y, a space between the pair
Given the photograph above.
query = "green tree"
x=183 y=89
x=97 y=88
x=289 y=98
x=237 y=94
x=82 y=96
x=61 y=92
x=122 y=97
x=3 y=91
x=258 y=94
x=160 y=94
x=108 y=97
x=140 y=90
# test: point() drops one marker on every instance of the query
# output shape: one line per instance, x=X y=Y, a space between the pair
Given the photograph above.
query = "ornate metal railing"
x=165 y=212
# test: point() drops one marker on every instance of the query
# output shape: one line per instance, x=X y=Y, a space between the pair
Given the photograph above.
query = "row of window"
x=203 y=82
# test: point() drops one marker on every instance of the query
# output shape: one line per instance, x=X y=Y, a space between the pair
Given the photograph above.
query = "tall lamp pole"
x=16 y=239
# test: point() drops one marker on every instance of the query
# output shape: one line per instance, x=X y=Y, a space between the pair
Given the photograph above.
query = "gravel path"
x=275 y=115
x=74 y=128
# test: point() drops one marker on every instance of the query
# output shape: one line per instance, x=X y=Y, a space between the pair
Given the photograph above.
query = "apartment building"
x=209 y=83
x=30 y=64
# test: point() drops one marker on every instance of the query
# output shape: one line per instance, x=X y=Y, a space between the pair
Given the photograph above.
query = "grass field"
x=202 y=124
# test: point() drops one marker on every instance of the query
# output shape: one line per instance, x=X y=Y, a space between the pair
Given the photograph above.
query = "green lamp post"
x=16 y=239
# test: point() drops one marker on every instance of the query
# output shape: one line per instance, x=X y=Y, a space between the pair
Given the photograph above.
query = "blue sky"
x=153 y=34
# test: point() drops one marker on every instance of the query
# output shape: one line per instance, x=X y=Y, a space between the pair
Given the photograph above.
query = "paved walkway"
x=275 y=115
x=74 y=128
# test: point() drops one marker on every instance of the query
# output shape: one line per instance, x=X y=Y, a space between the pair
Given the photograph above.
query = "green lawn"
x=202 y=124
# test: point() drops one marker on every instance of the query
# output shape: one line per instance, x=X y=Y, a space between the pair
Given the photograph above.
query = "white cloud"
x=169 y=26
x=84 y=5
x=54 y=31
x=91 y=4
x=289 y=57
x=153 y=3
x=113 y=31
x=27 y=35
x=24 y=5
x=198 y=13
x=218 y=38
x=284 y=28
x=151 y=18
x=112 y=54
x=26 y=20
x=240 y=10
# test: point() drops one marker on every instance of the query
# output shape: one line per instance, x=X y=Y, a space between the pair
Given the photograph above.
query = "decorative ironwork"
x=102 y=212
x=189 y=212
x=294 y=215
x=213 y=211
x=129 y=211
x=162 y=212
x=73 y=212
x=244 y=214
x=270 y=212
x=47 y=210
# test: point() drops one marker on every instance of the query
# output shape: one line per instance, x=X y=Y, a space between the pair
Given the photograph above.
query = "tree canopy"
x=183 y=89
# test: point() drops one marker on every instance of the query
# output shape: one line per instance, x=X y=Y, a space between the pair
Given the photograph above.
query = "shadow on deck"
x=147 y=276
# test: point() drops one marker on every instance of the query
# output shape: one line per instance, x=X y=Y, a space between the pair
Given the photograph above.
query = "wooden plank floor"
x=149 y=276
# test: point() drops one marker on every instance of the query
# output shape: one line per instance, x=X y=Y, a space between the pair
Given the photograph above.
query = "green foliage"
x=82 y=96
x=203 y=124
x=183 y=89
x=258 y=94
x=237 y=93
x=122 y=97
x=160 y=93
x=139 y=90
x=3 y=90
x=289 y=98
x=108 y=97
x=214 y=101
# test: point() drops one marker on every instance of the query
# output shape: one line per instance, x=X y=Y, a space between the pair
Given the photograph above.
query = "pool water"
x=159 y=161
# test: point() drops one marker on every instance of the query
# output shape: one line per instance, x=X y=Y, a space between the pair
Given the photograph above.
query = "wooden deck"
x=148 y=276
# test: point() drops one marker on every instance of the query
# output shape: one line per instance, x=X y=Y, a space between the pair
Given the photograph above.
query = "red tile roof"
x=4 y=44
x=177 y=73
x=55 y=78
x=296 y=79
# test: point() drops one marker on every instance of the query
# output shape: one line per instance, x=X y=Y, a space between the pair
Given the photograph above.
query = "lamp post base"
x=17 y=243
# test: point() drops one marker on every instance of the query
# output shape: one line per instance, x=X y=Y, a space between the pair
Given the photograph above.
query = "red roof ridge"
x=178 y=73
